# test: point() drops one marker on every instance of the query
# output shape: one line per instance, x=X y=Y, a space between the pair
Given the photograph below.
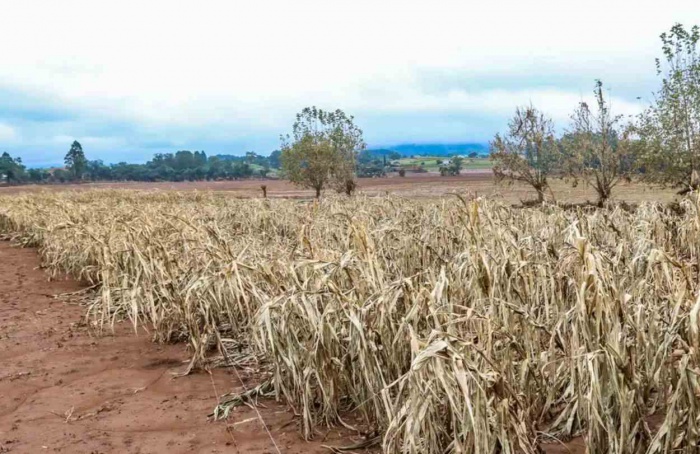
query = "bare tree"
x=595 y=149
x=528 y=152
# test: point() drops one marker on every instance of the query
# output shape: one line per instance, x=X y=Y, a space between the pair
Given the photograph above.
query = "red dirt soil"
x=480 y=182
x=63 y=389
x=418 y=184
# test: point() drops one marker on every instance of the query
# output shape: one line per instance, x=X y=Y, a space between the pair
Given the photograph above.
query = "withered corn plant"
x=446 y=325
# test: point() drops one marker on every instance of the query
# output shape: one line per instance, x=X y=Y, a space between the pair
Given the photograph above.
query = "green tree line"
x=183 y=165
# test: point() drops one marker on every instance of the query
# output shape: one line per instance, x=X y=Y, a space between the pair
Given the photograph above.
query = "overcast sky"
x=132 y=78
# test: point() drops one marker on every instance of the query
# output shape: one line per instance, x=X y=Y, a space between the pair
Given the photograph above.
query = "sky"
x=132 y=78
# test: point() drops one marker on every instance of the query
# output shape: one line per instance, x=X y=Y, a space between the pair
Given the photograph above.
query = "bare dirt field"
x=416 y=185
x=63 y=389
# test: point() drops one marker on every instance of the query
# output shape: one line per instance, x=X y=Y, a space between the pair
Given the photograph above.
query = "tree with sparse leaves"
x=75 y=161
x=322 y=151
x=528 y=152
x=669 y=130
x=596 y=149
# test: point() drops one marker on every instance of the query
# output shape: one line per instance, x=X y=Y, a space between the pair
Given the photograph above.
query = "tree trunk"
x=318 y=193
x=350 y=187
x=540 y=195
x=603 y=196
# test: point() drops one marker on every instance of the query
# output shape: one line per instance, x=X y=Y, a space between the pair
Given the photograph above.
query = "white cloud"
x=7 y=133
x=227 y=68
x=62 y=139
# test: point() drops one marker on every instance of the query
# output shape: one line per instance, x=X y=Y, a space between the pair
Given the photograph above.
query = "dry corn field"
x=445 y=325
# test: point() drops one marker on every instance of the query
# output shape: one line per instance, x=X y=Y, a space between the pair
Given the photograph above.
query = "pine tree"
x=75 y=161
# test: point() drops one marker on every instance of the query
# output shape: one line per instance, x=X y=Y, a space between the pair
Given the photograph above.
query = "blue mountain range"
x=435 y=149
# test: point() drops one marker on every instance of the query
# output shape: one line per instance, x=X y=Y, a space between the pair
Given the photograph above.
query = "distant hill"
x=435 y=149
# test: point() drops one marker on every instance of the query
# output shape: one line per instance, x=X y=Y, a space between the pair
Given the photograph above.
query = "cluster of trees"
x=661 y=145
x=376 y=163
x=11 y=169
x=196 y=166
x=453 y=166
x=180 y=166
x=185 y=165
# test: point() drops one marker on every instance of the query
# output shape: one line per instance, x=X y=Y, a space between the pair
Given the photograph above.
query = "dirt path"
x=63 y=390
